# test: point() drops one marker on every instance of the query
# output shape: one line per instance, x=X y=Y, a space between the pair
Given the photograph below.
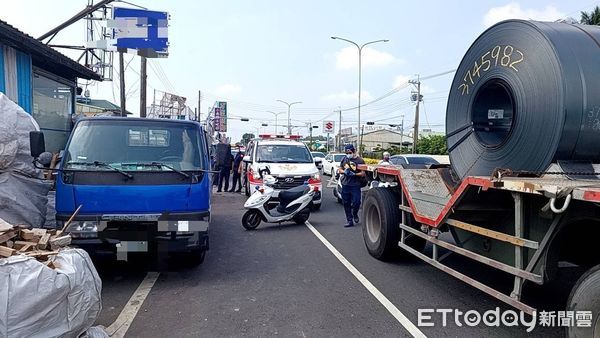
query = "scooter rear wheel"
x=302 y=216
x=251 y=219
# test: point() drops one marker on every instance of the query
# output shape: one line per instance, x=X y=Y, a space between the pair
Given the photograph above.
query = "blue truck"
x=141 y=185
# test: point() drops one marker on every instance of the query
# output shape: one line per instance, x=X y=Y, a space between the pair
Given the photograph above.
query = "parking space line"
x=392 y=309
x=127 y=315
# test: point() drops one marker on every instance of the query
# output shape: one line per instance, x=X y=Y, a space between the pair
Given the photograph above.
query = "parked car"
x=318 y=154
x=331 y=163
x=412 y=159
x=288 y=160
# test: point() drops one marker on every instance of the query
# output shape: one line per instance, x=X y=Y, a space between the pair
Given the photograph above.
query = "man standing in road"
x=351 y=178
x=236 y=171
x=225 y=170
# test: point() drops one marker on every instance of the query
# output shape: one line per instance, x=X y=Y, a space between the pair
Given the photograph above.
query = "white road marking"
x=393 y=310
x=127 y=315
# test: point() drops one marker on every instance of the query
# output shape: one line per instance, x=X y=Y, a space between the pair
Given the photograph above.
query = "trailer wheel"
x=381 y=229
x=585 y=296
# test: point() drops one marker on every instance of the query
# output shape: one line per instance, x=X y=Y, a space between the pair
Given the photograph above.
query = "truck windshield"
x=283 y=153
x=130 y=145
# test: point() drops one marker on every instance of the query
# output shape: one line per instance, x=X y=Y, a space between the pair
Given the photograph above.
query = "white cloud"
x=513 y=10
x=228 y=89
x=345 y=96
x=347 y=58
x=400 y=80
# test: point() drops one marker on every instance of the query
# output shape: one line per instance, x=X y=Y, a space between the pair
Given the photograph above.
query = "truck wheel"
x=584 y=297
x=381 y=229
x=194 y=258
x=251 y=219
x=302 y=216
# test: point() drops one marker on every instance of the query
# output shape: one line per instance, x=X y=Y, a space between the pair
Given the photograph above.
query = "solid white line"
x=393 y=310
x=127 y=315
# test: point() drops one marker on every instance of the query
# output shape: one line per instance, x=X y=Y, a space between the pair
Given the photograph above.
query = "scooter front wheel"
x=251 y=219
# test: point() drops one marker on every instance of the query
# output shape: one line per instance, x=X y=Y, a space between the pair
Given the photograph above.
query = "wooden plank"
x=38 y=232
x=26 y=247
x=43 y=243
x=6 y=252
x=60 y=242
x=493 y=234
x=41 y=253
x=7 y=236
x=20 y=244
x=26 y=234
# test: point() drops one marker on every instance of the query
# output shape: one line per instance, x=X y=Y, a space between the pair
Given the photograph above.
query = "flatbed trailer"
x=520 y=225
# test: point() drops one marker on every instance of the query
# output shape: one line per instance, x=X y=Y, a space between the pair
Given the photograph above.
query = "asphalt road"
x=282 y=280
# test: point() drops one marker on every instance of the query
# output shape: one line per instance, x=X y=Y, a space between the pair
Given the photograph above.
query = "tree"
x=591 y=18
x=246 y=138
x=432 y=145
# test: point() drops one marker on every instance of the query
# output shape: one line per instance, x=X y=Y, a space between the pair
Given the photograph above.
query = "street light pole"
x=289 y=108
x=275 y=114
x=360 y=48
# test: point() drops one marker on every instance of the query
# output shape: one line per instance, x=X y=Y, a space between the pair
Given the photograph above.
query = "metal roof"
x=44 y=56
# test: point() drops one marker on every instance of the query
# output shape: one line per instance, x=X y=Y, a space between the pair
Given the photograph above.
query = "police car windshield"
x=283 y=153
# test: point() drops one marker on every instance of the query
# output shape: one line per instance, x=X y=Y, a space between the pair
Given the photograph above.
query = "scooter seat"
x=291 y=194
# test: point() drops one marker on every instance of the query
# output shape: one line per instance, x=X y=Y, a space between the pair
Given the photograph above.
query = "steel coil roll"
x=526 y=94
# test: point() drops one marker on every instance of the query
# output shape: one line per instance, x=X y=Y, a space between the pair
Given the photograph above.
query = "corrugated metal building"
x=42 y=81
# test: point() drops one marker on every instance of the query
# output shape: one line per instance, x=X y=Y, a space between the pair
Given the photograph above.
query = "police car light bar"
x=274 y=136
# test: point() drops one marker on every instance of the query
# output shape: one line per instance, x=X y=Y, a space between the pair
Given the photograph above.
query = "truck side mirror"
x=36 y=143
x=246 y=159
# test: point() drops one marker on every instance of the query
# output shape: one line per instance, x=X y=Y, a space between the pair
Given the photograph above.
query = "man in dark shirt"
x=225 y=170
x=236 y=174
x=351 y=183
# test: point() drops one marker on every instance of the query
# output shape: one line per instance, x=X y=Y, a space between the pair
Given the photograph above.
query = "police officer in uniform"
x=351 y=178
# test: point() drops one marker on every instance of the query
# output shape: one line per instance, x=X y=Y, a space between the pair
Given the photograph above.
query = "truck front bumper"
x=110 y=234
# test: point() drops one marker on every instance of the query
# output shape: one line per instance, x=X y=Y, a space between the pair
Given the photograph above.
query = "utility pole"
x=362 y=131
x=339 y=140
x=310 y=132
x=199 y=117
x=143 y=79
x=122 y=83
x=402 y=134
x=418 y=99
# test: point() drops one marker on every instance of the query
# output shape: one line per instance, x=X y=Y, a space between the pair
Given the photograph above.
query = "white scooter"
x=293 y=203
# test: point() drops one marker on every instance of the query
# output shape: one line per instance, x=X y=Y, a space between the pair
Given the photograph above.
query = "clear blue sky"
x=251 y=53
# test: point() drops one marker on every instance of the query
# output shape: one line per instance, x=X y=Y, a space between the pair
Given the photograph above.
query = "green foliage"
x=432 y=145
x=591 y=18
x=246 y=138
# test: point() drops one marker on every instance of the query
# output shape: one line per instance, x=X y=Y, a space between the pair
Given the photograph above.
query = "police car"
x=288 y=160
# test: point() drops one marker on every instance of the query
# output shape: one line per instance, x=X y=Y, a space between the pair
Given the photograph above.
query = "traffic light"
x=370 y=123
x=245 y=119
